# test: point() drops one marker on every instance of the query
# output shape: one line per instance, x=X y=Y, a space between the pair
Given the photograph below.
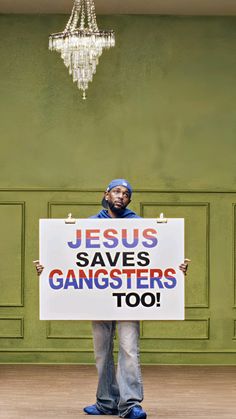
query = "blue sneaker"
x=136 y=413
x=93 y=410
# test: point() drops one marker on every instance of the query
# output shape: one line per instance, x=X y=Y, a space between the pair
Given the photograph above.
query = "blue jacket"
x=124 y=214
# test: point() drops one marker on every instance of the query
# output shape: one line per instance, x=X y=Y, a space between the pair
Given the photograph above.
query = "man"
x=118 y=393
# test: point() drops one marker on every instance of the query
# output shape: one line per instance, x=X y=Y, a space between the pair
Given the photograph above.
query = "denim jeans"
x=119 y=391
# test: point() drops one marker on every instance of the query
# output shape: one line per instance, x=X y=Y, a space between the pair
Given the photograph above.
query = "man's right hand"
x=38 y=266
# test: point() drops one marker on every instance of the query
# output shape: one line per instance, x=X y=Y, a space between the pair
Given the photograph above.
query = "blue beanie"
x=113 y=184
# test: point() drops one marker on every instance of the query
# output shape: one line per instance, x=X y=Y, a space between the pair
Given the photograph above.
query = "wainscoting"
x=207 y=336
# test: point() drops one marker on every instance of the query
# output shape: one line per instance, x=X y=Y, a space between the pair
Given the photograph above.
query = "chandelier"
x=82 y=43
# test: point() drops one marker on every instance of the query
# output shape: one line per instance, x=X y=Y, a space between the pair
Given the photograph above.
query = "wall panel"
x=188 y=329
x=69 y=329
x=12 y=253
x=11 y=327
x=234 y=251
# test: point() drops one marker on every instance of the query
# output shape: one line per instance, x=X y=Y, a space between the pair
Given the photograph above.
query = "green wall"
x=160 y=112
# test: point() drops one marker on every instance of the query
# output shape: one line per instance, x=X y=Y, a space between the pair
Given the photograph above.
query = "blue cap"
x=113 y=184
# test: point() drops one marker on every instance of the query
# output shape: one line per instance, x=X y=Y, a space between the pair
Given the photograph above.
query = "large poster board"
x=111 y=269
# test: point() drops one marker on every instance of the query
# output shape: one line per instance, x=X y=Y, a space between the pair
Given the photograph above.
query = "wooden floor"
x=171 y=392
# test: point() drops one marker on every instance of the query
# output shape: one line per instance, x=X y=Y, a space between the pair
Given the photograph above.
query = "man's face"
x=118 y=198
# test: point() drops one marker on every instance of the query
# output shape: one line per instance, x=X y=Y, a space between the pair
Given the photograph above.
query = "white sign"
x=112 y=269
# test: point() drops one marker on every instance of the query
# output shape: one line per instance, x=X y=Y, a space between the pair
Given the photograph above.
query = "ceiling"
x=160 y=7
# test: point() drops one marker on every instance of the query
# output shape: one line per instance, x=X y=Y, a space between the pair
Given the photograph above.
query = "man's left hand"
x=184 y=266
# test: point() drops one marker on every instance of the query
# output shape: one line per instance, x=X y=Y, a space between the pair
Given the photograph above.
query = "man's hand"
x=38 y=266
x=184 y=266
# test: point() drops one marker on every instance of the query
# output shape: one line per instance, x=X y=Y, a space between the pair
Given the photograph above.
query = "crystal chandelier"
x=82 y=43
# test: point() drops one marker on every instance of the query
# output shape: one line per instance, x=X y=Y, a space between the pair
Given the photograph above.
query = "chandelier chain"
x=72 y=16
